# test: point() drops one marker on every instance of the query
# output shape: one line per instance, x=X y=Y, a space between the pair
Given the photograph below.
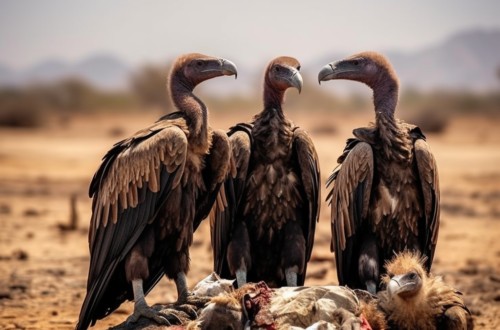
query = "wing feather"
x=128 y=189
x=223 y=213
x=310 y=174
x=216 y=169
x=429 y=179
x=350 y=197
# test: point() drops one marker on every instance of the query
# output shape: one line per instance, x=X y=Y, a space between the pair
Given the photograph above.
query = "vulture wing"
x=350 y=198
x=132 y=183
x=224 y=211
x=308 y=163
x=427 y=170
x=214 y=173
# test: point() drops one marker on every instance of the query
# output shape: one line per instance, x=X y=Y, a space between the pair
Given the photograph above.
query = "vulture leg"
x=291 y=276
x=241 y=277
x=141 y=308
x=293 y=253
x=368 y=264
x=186 y=300
x=182 y=288
x=238 y=255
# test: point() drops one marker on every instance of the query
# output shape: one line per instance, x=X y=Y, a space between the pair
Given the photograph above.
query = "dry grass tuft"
x=430 y=120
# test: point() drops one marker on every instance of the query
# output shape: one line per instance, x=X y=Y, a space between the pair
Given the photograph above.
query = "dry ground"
x=43 y=270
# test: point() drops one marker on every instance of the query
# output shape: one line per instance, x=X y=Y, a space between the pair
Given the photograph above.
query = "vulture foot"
x=160 y=317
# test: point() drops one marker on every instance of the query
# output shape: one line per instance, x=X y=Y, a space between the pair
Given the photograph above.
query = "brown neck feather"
x=196 y=111
x=385 y=98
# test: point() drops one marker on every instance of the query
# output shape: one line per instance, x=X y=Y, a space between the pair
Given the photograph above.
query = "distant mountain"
x=102 y=71
x=467 y=60
x=6 y=75
x=47 y=71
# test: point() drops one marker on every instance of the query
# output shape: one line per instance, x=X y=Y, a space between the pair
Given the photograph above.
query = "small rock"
x=19 y=286
x=320 y=258
x=495 y=277
x=5 y=209
x=5 y=295
x=31 y=213
x=319 y=274
x=20 y=255
x=469 y=270
x=475 y=311
x=197 y=243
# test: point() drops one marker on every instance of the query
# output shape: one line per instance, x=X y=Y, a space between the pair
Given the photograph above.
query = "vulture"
x=263 y=222
x=150 y=193
x=415 y=299
x=385 y=197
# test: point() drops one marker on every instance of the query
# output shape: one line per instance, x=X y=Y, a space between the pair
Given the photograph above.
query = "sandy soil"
x=43 y=269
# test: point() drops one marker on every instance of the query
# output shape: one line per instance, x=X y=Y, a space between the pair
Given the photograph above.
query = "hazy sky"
x=245 y=31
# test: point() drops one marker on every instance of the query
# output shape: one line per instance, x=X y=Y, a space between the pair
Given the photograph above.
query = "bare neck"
x=385 y=97
x=273 y=97
x=195 y=110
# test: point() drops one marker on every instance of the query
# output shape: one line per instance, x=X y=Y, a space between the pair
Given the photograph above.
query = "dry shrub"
x=323 y=129
x=430 y=120
x=21 y=116
x=116 y=131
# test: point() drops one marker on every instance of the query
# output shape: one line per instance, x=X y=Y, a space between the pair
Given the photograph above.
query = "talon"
x=174 y=315
x=147 y=312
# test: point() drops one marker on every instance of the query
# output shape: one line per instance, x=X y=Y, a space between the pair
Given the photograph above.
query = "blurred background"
x=77 y=77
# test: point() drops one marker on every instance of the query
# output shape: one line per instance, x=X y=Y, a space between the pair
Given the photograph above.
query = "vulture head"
x=370 y=68
x=415 y=299
x=191 y=69
x=283 y=73
x=405 y=276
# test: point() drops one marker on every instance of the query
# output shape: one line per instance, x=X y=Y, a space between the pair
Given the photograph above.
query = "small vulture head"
x=405 y=275
x=283 y=73
x=370 y=68
x=192 y=69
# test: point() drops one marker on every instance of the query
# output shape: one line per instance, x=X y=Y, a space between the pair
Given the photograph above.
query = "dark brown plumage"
x=416 y=300
x=263 y=224
x=150 y=193
x=386 y=193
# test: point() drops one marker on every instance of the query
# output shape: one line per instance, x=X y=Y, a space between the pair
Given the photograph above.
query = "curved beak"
x=399 y=284
x=228 y=68
x=296 y=79
x=335 y=70
x=327 y=73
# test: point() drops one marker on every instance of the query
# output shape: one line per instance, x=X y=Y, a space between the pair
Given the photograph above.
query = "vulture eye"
x=277 y=68
x=298 y=68
x=355 y=62
x=413 y=276
x=199 y=63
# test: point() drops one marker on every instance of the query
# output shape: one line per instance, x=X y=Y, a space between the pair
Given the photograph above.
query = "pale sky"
x=243 y=31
